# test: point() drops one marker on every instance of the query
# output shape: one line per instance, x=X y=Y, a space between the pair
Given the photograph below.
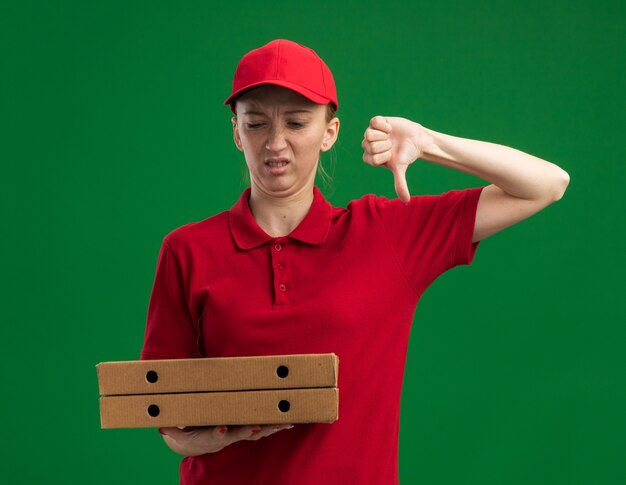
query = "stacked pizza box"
x=270 y=389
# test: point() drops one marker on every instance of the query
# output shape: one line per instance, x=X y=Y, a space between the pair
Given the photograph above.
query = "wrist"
x=431 y=145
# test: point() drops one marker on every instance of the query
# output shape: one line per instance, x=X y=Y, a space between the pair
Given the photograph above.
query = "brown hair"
x=326 y=178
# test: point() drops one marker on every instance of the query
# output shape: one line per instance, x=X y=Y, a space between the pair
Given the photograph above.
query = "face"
x=273 y=122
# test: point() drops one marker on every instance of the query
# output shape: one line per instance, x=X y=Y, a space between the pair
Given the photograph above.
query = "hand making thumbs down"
x=393 y=143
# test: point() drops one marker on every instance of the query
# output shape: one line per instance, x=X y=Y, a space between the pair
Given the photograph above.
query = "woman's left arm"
x=521 y=184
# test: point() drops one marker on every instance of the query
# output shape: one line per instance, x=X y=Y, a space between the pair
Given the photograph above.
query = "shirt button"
x=282 y=288
x=277 y=247
x=280 y=265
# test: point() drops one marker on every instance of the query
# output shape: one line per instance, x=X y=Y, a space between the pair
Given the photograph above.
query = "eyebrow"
x=252 y=112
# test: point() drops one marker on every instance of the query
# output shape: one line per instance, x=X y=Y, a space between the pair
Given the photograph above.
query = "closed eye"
x=293 y=124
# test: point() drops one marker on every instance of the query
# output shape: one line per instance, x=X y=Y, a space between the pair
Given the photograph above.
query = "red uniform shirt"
x=346 y=280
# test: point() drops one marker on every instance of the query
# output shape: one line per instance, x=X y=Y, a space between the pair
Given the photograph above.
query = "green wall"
x=114 y=133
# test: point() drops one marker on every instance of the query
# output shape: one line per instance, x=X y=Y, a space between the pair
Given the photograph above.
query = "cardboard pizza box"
x=218 y=374
x=313 y=405
x=274 y=389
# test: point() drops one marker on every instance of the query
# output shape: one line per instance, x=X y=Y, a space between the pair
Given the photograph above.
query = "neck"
x=278 y=216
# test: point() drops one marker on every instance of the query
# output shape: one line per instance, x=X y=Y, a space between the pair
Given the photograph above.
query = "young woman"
x=285 y=272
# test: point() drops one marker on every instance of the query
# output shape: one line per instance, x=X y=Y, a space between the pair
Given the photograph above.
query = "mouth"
x=277 y=166
x=276 y=162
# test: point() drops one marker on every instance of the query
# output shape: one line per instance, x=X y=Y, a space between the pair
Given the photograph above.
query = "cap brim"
x=307 y=93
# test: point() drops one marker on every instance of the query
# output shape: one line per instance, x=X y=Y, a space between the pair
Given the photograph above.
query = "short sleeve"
x=170 y=330
x=431 y=234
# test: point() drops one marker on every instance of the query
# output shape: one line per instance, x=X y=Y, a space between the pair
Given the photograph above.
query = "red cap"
x=288 y=64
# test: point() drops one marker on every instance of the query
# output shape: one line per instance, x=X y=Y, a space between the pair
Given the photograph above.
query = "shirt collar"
x=313 y=229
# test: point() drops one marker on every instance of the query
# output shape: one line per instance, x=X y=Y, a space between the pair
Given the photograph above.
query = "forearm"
x=517 y=173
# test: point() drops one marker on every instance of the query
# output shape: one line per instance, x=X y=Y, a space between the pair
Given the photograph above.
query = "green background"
x=114 y=133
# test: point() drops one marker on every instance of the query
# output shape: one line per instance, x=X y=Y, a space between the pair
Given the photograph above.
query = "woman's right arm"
x=198 y=440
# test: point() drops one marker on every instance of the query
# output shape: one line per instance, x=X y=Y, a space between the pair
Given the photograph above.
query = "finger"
x=182 y=433
x=380 y=123
x=247 y=431
x=378 y=158
x=399 y=181
x=376 y=146
x=375 y=135
x=279 y=427
x=173 y=432
x=270 y=430
x=219 y=432
x=226 y=434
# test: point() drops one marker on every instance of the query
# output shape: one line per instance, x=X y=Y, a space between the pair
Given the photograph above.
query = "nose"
x=276 y=140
